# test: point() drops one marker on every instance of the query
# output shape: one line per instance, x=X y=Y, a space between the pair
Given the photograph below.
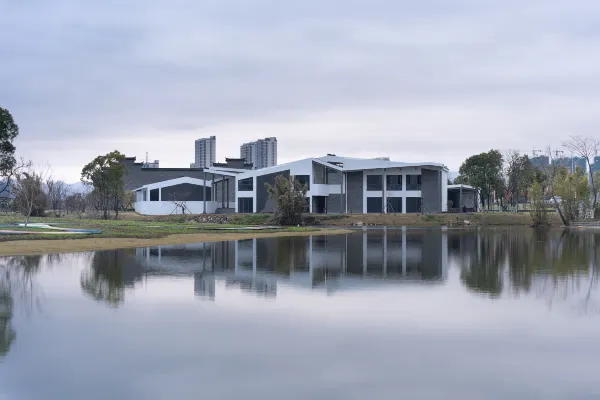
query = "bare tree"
x=586 y=148
x=28 y=189
x=76 y=203
x=551 y=172
x=180 y=204
x=58 y=192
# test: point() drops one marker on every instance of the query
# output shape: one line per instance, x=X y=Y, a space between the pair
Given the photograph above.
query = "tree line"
x=507 y=180
x=31 y=190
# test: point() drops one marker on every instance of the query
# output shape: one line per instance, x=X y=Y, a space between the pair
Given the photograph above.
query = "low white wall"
x=168 y=208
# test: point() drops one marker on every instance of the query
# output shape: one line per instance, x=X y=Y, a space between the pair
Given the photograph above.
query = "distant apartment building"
x=205 y=152
x=571 y=163
x=262 y=153
x=540 y=161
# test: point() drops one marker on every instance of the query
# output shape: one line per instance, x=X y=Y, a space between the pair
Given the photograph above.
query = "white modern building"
x=205 y=152
x=351 y=185
x=262 y=153
x=335 y=185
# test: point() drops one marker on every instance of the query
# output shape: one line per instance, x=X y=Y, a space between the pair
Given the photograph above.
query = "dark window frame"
x=245 y=205
x=303 y=180
x=393 y=182
x=376 y=208
x=374 y=186
x=246 y=185
x=411 y=185
x=394 y=205
x=413 y=201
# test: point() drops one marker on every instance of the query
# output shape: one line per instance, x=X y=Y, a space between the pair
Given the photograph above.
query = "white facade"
x=146 y=204
x=262 y=153
x=205 y=152
x=343 y=165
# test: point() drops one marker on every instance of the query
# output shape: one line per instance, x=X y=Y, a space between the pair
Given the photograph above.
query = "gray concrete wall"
x=355 y=192
x=263 y=203
x=335 y=204
x=334 y=177
x=431 y=191
x=136 y=176
x=319 y=174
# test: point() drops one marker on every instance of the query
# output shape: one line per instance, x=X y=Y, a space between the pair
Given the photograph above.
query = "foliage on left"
x=105 y=175
x=9 y=130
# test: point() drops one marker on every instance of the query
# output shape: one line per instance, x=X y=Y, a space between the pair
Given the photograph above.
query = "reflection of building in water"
x=336 y=262
x=204 y=285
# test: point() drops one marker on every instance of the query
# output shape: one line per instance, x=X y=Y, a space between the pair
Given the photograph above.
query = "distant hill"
x=78 y=187
x=452 y=175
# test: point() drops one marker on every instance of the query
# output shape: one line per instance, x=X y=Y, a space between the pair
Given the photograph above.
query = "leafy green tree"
x=484 y=172
x=290 y=197
x=520 y=174
x=9 y=130
x=105 y=174
x=587 y=148
x=539 y=211
x=573 y=190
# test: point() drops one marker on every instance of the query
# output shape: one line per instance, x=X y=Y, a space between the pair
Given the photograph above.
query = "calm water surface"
x=377 y=314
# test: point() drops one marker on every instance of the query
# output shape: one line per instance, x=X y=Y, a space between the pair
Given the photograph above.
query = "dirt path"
x=27 y=247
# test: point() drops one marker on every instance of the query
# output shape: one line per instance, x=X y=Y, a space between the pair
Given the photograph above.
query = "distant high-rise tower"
x=206 y=152
x=262 y=153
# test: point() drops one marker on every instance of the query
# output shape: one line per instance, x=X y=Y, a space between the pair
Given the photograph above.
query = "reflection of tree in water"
x=16 y=283
x=109 y=274
x=483 y=271
x=552 y=264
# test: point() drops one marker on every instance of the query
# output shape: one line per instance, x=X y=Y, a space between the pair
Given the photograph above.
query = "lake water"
x=378 y=314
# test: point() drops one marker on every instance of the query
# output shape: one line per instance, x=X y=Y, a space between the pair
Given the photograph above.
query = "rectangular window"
x=154 y=194
x=374 y=183
x=394 y=205
x=246 y=185
x=303 y=180
x=245 y=205
x=394 y=182
x=374 y=205
x=413 y=204
x=413 y=182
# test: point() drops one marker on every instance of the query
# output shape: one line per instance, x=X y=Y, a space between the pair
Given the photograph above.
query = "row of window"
x=393 y=182
x=247 y=185
x=394 y=205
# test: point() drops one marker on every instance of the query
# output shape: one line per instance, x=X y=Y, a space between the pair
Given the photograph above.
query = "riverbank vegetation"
x=549 y=181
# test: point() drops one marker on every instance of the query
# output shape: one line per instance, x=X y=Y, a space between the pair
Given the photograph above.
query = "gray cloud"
x=433 y=80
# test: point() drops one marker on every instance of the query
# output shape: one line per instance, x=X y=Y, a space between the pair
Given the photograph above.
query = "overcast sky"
x=429 y=80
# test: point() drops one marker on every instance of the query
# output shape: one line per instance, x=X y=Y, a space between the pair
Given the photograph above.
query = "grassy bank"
x=127 y=228
x=483 y=219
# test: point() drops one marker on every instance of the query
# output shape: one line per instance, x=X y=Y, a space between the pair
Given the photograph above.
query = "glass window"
x=303 y=180
x=394 y=205
x=413 y=204
x=374 y=205
x=245 y=205
x=374 y=182
x=394 y=182
x=246 y=185
x=413 y=182
x=154 y=194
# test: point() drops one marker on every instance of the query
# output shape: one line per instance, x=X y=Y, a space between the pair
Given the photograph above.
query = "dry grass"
x=491 y=218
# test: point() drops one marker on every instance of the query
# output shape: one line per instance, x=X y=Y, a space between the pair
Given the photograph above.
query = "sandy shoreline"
x=28 y=247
